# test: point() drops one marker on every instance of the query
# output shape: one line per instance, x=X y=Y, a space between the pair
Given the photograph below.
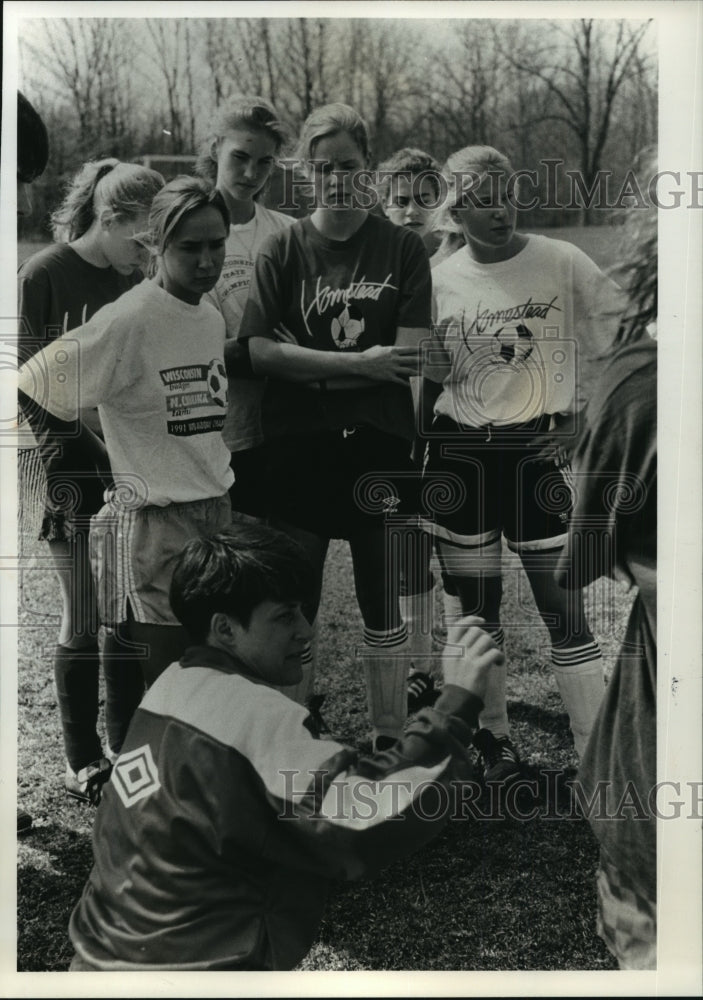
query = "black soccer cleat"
x=86 y=785
x=500 y=759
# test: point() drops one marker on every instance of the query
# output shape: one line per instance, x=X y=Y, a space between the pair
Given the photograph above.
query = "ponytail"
x=123 y=190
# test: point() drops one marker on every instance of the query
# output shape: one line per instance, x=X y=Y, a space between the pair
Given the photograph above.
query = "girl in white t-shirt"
x=153 y=364
x=521 y=321
x=238 y=155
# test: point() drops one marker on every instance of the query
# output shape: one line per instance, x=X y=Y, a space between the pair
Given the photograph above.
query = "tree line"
x=582 y=91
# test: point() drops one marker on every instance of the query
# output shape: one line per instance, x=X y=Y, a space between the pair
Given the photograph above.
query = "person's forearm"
x=411 y=337
x=75 y=432
x=301 y=364
x=373 y=810
x=348 y=382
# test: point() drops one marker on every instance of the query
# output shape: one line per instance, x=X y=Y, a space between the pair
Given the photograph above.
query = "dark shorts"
x=248 y=492
x=482 y=483
x=62 y=494
x=339 y=483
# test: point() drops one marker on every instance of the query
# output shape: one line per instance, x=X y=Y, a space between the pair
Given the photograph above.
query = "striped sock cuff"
x=497 y=635
x=386 y=639
x=576 y=656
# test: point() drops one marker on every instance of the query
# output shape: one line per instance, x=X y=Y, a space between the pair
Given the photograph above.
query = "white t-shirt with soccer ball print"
x=523 y=335
x=154 y=367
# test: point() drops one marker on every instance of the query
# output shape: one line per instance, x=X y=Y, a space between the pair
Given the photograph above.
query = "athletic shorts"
x=57 y=497
x=338 y=483
x=133 y=553
x=248 y=492
x=479 y=484
x=627 y=918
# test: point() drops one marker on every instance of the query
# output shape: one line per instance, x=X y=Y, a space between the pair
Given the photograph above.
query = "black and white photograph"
x=351 y=499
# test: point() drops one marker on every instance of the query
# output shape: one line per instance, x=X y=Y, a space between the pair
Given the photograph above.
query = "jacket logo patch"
x=135 y=775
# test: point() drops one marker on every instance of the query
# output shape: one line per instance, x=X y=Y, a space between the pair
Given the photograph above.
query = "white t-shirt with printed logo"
x=243 y=419
x=524 y=335
x=154 y=367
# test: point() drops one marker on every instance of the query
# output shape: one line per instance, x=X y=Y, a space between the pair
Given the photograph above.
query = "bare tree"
x=393 y=59
x=583 y=90
x=242 y=57
x=470 y=91
x=91 y=68
x=300 y=52
x=582 y=69
x=167 y=48
x=190 y=84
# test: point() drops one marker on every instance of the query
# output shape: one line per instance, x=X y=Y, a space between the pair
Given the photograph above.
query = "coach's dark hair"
x=233 y=571
x=32 y=142
x=176 y=200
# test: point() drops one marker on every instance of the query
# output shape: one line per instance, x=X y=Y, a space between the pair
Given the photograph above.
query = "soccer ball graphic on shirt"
x=217 y=383
x=512 y=344
x=347 y=328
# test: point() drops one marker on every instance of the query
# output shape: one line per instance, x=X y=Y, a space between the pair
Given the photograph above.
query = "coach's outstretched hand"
x=469 y=654
x=389 y=364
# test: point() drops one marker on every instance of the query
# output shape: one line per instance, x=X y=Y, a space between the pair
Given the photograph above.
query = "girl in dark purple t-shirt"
x=338 y=306
x=95 y=259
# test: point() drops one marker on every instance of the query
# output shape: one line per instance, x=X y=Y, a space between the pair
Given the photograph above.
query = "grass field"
x=488 y=894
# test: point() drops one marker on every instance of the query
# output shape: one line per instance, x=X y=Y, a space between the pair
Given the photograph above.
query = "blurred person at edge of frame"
x=615 y=464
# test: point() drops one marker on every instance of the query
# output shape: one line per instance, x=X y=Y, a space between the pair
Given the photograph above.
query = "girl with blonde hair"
x=152 y=363
x=97 y=256
x=520 y=322
x=350 y=293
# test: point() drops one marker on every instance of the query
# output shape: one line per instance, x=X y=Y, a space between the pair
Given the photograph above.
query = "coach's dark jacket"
x=224 y=819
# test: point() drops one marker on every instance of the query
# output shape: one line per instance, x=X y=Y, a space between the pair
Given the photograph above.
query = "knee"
x=380 y=610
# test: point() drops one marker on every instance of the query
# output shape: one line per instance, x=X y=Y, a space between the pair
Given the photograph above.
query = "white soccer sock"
x=301 y=691
x=417 y=611
x=384 y=660
x=495 y=711
x=581 y=683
